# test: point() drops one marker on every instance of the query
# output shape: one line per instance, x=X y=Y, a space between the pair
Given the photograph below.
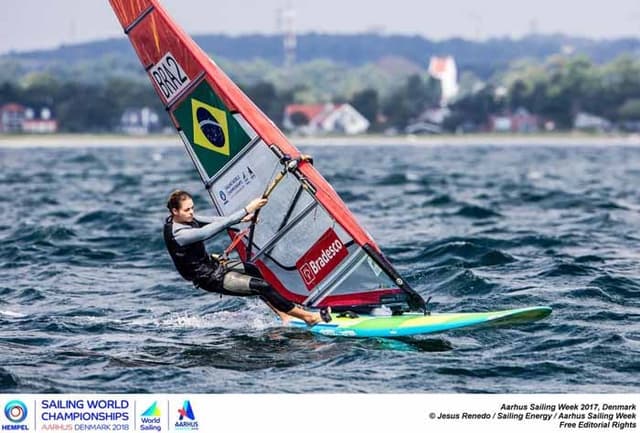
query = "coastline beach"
x=153 y=140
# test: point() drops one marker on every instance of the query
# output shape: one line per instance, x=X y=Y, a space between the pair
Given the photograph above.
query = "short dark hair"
x=176 y=197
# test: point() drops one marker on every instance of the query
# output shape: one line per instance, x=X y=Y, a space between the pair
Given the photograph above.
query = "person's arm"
x=249 y=210
x=185 y=235
x=211 y=219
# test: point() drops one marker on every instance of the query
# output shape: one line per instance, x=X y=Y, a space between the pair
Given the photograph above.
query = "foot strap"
x=325 y=314
x=349 y=314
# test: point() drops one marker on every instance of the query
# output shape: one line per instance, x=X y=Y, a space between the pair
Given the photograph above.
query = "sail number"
x=169 y=77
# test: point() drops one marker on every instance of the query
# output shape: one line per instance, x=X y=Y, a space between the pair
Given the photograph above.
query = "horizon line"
x=123 y=37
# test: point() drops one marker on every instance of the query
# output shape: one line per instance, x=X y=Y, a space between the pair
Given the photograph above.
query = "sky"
x=38 y=24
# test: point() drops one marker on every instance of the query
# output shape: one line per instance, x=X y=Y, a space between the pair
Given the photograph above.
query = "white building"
x=310 y=119
x=429 y=122
x=590 y=122
x=139 y=121
x=39 y=121
x=445 y=70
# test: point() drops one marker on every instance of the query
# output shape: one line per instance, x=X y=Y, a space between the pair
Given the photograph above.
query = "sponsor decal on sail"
x=237 y=186
x=321 y=259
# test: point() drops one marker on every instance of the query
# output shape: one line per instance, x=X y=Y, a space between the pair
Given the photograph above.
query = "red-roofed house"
x=17 y=118
x=310 y=119
x=11 y=117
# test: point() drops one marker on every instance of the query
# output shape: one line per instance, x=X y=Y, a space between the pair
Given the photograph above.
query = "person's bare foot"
x=312 y=319
x=284 y=318
x=323 y=317
x=308 y=317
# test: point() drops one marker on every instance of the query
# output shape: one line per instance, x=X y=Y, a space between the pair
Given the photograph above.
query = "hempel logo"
x=321 y=259
x=16 y=412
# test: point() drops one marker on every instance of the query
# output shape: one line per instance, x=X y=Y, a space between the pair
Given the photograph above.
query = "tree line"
x=84 y=107
x=482 y=58
x=555 y=90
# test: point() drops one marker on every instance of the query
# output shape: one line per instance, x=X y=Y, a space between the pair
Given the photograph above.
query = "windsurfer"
x=184 y=236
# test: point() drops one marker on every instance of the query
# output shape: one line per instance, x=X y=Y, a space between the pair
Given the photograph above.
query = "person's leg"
x=252 y=271
x=278 y=302
x=238 y=284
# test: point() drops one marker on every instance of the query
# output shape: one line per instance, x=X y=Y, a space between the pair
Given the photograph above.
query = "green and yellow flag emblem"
x=213 y=132
x=210 y=128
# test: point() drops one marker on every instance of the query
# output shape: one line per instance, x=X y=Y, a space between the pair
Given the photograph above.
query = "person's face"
x=185 y=213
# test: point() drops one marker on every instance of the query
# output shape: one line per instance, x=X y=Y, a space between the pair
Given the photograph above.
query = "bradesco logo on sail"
x=321 y=259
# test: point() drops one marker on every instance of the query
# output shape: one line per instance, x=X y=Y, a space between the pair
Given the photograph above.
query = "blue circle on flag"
x=210 y=127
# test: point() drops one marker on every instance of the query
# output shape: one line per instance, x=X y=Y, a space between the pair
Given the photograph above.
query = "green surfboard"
x=409 y=324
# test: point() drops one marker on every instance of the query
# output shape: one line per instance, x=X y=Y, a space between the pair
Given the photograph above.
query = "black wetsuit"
x=185 y=243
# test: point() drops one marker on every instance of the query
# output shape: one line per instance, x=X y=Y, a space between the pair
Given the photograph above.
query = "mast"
x=307 y=244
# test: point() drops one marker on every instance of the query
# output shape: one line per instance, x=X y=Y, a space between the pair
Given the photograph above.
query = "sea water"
x=90 y=302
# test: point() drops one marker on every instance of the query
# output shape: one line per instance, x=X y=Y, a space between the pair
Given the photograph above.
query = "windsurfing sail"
x=307 y=244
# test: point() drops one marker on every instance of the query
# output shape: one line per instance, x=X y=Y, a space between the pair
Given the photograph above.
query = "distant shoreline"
x=115 y=140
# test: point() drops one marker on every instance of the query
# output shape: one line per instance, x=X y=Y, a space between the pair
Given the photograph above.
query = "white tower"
x=445 y=70
x=286 y=25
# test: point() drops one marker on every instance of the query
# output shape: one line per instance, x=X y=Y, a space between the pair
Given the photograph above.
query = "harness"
x=188 y=259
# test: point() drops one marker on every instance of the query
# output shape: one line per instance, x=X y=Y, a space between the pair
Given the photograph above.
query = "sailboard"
x=306 y=243
x=408 y=324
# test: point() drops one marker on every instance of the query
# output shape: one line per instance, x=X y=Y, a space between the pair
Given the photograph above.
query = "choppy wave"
x=89 y=301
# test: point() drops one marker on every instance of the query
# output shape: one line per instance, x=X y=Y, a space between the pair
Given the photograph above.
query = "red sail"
x=236 y=150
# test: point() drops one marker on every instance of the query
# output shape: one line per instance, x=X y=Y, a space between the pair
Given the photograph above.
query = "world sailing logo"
x=321 y=259
x=153 y=411
x=150 y=418
x=210 y=129
x=186 y=420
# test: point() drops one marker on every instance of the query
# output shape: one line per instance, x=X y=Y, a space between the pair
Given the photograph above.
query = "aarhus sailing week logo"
x=321 y=259
x=186 y=419
x=210 y=128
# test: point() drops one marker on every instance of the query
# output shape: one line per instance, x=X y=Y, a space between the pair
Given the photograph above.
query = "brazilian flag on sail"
x=215 y=135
